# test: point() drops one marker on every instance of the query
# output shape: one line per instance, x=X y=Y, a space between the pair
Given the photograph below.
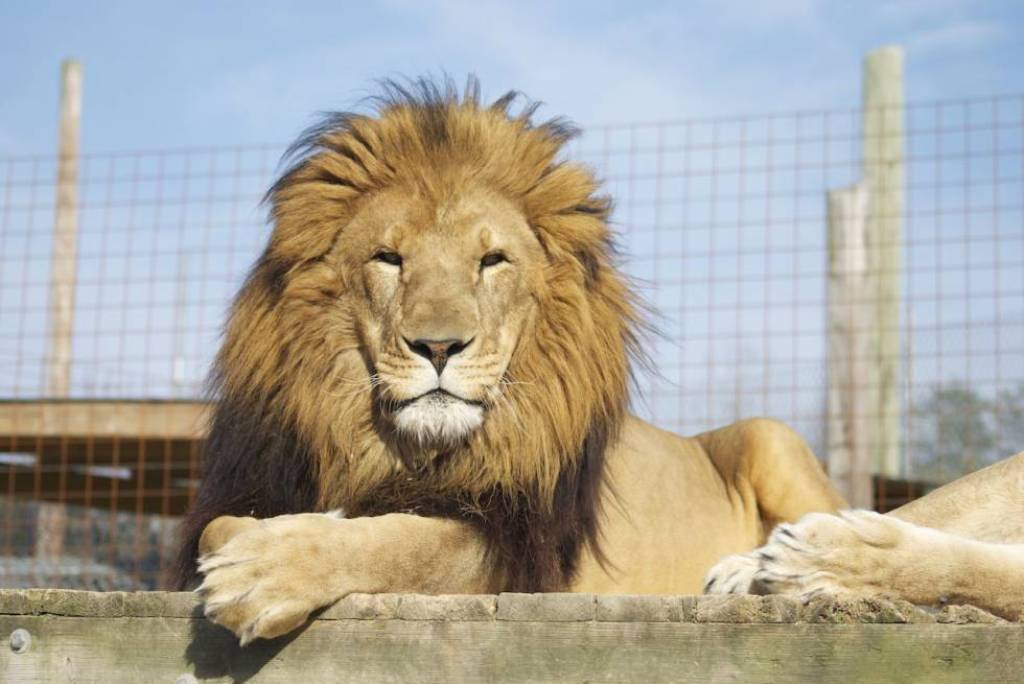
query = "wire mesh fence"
x=725 y=220
x=723 y=223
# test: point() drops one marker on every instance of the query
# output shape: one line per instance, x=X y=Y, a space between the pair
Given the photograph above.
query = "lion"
x=424 y=387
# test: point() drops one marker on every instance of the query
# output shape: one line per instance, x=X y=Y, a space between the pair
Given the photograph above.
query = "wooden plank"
x=128 y=419
x=158 y=649
x=884 y=172
x=132 y=637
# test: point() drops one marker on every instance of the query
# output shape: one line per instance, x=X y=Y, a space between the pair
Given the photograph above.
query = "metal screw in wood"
x=20 y=640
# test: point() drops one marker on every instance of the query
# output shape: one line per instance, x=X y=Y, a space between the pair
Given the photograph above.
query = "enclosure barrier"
x=857 y=272
x=58 y=635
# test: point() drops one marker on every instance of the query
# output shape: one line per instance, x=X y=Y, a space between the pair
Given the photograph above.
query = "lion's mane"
x=289 y=434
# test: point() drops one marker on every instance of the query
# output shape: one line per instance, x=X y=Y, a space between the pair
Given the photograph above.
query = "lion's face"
x=437 y=308
x=442 y=290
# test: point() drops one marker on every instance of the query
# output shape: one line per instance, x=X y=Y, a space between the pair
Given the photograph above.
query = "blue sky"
x=199 y=73
x=728 y=239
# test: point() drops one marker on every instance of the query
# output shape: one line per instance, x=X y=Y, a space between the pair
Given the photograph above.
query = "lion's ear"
x=581 y=238
x=561 y=189
x=564 y=207
x=309 y=205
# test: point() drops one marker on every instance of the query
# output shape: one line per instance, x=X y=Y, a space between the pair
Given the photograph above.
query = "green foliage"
x=956 y=430
x=1009 y=417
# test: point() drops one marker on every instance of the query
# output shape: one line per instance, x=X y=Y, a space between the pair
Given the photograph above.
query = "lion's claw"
x=732 y=575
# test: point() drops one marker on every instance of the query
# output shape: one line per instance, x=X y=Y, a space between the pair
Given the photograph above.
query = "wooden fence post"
x=850 y=371
x=65 y=235
x=884 y=174
x=51 y=518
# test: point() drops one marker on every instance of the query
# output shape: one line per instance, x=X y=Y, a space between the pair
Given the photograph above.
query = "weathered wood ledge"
x=156 y=636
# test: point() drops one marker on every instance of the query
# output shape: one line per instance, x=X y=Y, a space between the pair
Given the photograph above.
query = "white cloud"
x=771 y=12
x=650 y=63
x=599 y=75
x=593 y=63
x=906 y=11
x=959 y=36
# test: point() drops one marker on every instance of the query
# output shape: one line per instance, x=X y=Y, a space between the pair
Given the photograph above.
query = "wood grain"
x=160 y=637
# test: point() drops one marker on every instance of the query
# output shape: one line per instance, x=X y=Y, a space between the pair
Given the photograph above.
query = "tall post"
x=65 y=234
x=884 y=174
x=850 y=370
x=51 y=518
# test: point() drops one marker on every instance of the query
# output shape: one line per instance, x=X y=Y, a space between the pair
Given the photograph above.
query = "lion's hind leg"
x=778 y=476
x=772 y=467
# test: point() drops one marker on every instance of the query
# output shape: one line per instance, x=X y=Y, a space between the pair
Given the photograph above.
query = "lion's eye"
x=393 y=258
x=492 y=259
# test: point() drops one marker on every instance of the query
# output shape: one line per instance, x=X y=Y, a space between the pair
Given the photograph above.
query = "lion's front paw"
x=267 y=579
x=854 y=553
x=732 y=575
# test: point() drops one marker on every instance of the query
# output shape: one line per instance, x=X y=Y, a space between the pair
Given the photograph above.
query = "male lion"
x=436 y=342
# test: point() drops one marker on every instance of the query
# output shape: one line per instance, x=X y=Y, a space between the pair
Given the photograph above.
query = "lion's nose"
x=437 y=351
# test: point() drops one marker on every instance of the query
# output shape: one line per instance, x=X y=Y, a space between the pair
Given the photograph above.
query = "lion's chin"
x=438 y=419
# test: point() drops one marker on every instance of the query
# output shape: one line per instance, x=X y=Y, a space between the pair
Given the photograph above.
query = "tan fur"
x=680 y=505
x=321 y=333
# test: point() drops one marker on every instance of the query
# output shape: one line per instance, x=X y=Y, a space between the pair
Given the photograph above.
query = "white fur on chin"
x=439 y=419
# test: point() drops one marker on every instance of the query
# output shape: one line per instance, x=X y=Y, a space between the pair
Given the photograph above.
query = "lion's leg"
x=769 y=464
x=778 y=477
x=861 y=553
x=264 y=577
